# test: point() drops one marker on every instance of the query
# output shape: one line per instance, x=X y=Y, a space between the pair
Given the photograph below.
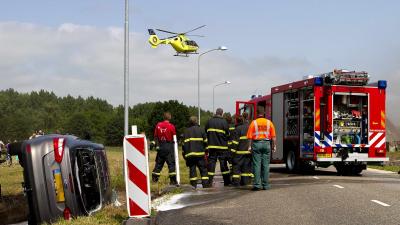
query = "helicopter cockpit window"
x=190 y=42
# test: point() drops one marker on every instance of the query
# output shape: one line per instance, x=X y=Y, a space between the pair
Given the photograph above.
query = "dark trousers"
x=165 y=154
x=222 y=156
x=197 y=162
x=261 y=151
x=242 y=169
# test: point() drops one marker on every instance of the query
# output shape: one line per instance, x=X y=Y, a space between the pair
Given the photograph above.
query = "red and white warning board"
x=137 y=180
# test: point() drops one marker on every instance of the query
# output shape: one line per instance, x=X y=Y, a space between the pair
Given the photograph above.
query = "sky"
x=76 y=47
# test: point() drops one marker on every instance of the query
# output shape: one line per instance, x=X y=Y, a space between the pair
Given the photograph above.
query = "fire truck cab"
x=335 y=118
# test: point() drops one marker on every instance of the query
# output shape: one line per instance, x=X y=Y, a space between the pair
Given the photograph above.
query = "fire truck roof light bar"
x=319 y=81
x=382 y=84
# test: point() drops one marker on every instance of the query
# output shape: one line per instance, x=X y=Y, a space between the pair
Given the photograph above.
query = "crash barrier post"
x=137 y=182
x=178 y=176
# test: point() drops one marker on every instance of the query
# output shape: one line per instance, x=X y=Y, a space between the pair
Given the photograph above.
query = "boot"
x=227 y=179
x=154 y=178
x=210 y=181
x=193 y=183
x=172 y=180
x=206 y=184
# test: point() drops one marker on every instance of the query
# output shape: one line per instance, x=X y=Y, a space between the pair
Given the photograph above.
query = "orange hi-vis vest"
x=261 y=129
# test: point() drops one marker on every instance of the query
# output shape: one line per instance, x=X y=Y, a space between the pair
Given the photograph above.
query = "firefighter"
x=242 y=170
x=217 y=137
x=261 y=134
x=194 y=143
x=231 y=126
x=163 y=137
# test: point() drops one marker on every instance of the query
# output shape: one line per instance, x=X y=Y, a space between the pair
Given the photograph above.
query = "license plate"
x=324 y=156
x=58 y=185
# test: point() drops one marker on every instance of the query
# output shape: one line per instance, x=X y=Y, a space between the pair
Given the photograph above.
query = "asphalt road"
x=318 y=198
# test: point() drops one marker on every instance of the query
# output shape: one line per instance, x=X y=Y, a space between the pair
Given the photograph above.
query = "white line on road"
x=315 y=177
x=338 y=186
x=380 y=203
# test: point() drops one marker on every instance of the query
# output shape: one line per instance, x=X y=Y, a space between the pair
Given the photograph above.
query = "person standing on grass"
x=9 y=157
x=194 y=142
x=1 y=147
x=164 y=139
x=261 y=134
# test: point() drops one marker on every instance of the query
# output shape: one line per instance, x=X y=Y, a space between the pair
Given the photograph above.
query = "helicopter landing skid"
x=185 y=54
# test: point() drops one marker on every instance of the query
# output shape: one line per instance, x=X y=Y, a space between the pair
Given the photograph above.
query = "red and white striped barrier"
x=137 y=180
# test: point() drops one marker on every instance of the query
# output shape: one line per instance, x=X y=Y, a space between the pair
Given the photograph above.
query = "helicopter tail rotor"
x=153 y=39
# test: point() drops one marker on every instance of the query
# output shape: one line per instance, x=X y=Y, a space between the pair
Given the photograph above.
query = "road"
x=319 y=198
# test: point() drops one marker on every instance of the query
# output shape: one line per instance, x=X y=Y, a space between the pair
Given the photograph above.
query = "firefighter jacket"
x=240 y=143
x=194 y=142
x=217 y=133
x=231 y=135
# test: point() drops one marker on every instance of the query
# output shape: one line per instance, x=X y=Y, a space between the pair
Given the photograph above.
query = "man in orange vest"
x=261 y=133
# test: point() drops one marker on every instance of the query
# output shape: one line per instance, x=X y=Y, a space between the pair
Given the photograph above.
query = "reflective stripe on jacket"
x=217 y=133
x=231 y=136
x=194 y=142
x=261 y=128
x=240 y=142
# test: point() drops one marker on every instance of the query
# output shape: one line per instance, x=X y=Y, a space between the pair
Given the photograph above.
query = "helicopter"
x=179 y=41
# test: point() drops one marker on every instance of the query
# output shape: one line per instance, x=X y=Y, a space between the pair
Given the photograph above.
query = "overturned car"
x=63 y=177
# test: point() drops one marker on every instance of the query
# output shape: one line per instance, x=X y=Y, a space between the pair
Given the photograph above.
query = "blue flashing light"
x=382 y=84
x=318 y=81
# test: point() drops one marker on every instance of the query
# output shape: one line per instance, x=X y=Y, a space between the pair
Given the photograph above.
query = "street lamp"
x=220 y=48
x=126 y=69
x=225 y=82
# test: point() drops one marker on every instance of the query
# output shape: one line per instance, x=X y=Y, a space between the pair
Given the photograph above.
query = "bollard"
x=178 y=175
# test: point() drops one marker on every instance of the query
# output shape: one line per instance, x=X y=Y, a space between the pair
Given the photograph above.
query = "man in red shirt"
x=164 y=137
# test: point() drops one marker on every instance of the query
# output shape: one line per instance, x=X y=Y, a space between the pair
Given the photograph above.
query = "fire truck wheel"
x=356 y=169
x=340 y=168
x=291 y=161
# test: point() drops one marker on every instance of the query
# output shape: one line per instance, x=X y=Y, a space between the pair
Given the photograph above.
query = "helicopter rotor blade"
x=195 y=35
x=194 y=29
x=165 y=31
x=171 y=37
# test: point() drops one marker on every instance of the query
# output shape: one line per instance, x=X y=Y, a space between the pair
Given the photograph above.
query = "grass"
x=13 y=206
x=393 y=164
x=12 y=198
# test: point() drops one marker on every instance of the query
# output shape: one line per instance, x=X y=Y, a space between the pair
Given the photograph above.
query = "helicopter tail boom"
x=154 y=40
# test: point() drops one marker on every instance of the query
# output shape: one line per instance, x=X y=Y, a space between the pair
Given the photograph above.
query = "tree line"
x=90 y=118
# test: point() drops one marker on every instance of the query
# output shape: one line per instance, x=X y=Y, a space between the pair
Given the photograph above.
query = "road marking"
x=380 y=203
x=315 y=177
x=338 y=186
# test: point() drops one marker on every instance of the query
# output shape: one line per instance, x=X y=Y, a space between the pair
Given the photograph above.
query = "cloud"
x=83 y=60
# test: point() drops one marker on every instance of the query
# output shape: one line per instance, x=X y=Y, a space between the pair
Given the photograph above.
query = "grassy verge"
x=13 y=205
x=12 y=198
x=393 y=164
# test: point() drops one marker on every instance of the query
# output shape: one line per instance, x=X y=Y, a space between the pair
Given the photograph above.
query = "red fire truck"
x=335 y=118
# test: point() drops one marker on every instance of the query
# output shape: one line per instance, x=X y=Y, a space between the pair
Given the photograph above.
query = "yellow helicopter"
x=179 y=41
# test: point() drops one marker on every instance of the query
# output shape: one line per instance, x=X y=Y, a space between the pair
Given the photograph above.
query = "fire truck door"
x=249 y=107
x=278 y=120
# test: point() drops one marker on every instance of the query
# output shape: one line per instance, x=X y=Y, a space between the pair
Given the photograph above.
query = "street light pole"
x=126 y=69
x=225 y=82
x=220 y=48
